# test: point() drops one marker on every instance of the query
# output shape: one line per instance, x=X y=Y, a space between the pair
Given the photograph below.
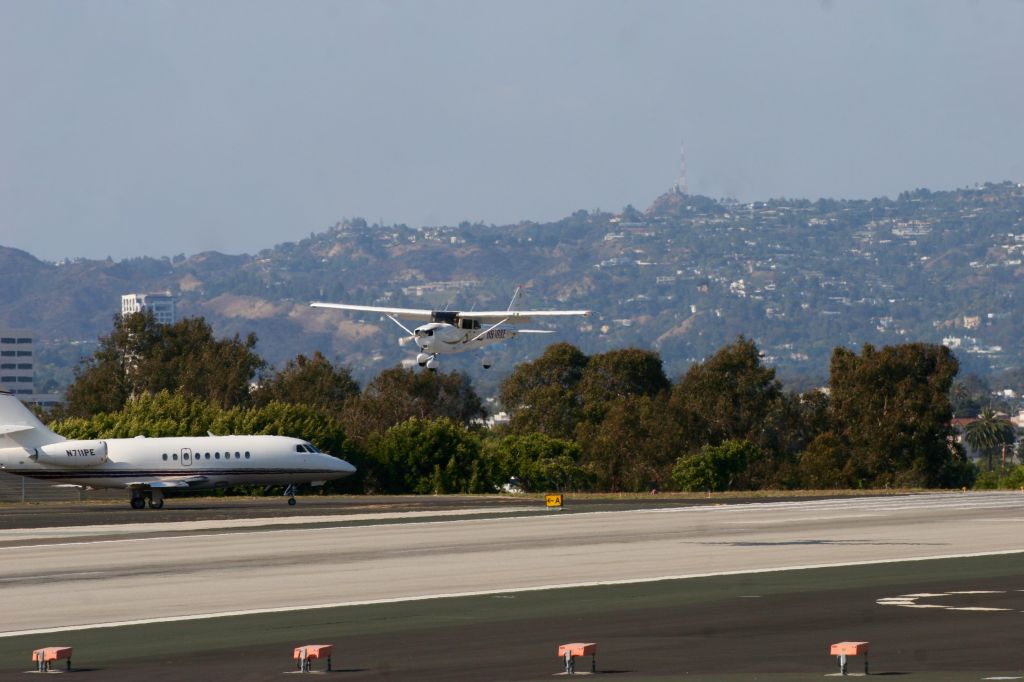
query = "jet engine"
x=72 y=453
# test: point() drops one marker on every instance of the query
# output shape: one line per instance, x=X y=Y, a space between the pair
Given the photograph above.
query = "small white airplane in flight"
x=147 y=467
x=452 y=331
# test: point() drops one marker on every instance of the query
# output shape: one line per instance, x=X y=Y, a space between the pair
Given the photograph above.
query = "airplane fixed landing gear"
x=427 y=360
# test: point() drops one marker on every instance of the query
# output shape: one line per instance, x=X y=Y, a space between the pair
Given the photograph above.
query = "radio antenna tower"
x=681 y=185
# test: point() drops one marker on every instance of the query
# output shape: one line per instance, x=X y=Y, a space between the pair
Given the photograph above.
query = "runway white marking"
x=767 y=522
x=910 y=600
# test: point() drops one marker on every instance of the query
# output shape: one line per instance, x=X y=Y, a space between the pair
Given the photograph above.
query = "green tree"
x=426 y=456
x=396 y=395
x=717 y=468
x=142 y=357
x=891 y=411
x=989 y=434
x=788 y=427
x=310 y=381
x=617 y=374
x=729 y=395
x=632 y=448
x=822 y=464
x=542 y=396
x=105 y=382
x=539 y=462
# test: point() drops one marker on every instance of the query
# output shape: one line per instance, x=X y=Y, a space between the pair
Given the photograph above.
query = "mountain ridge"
x=684 y=277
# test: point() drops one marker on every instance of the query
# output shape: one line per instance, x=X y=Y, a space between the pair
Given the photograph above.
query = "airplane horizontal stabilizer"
x=535 y=331
x=14 y=428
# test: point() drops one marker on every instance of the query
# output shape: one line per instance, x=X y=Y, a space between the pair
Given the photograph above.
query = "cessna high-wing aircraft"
x=147 y=467
x=452 y=331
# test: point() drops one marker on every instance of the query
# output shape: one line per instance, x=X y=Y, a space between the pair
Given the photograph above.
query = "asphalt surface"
x=775 y=623
x=110 y=508
x=764 y=626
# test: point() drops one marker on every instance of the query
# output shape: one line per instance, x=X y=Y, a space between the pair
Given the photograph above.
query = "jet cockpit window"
x=300 y=448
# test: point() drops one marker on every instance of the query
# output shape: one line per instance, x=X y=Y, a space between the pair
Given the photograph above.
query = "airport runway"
x=96 y=575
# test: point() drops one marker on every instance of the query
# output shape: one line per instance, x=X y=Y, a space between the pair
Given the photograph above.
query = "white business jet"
x=147 y=467
x=452 y=331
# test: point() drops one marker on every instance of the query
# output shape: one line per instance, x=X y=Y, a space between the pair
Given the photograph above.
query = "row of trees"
x=727 y=423
x=612 y=421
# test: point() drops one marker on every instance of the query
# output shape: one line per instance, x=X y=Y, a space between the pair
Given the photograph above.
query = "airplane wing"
x=486 y=317
x=405 y=313
x=516 y=316
x=168 y=482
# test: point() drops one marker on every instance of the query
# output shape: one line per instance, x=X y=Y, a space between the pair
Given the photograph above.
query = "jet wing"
x=404 y=313
x=516 y=316
x=168 y=482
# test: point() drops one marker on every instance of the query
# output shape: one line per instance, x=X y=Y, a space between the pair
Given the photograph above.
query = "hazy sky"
x=154 y=128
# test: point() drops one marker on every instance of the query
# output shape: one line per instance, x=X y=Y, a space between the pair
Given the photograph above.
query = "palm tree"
x=989 y=433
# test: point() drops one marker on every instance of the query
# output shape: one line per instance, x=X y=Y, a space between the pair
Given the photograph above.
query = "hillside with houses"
x=683 y=277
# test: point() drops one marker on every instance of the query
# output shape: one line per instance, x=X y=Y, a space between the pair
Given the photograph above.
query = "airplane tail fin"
x=19 y=427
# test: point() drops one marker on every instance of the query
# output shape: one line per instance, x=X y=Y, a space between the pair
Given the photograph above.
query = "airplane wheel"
x=138 y=503
x=158 y=504
x=291 y=501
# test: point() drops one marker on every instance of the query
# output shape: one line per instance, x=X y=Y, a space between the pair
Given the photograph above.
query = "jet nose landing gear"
x=290 y=492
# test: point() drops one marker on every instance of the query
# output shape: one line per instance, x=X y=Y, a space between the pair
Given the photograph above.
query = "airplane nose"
x=343 y=467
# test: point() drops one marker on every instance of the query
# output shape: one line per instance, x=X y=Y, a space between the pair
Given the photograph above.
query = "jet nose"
x=342 y=468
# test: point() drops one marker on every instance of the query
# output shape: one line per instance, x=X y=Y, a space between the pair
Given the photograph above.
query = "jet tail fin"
x=18 y=424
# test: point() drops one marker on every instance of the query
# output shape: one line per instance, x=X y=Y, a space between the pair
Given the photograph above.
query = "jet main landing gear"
x=140 y=499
